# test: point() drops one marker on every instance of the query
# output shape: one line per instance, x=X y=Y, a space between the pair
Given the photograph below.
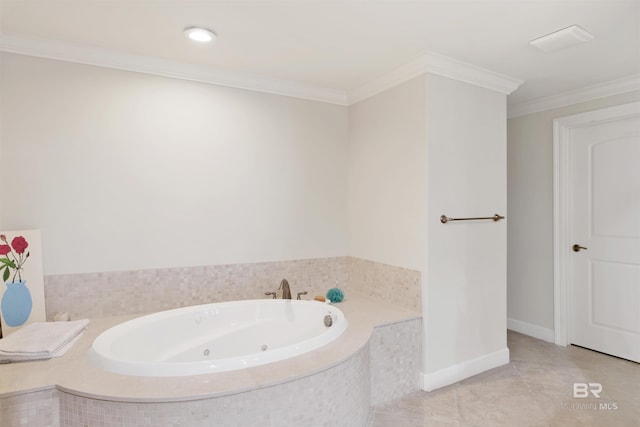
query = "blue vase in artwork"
x=16 y=303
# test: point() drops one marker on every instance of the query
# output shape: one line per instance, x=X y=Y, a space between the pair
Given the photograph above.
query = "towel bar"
x=444 y=219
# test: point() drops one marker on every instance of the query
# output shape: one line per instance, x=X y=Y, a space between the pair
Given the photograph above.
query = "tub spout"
x=286 y=291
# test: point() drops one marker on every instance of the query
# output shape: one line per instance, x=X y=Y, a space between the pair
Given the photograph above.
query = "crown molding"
x=441 y=65
x=601 y=90
x=429 y=63
x=82 y=54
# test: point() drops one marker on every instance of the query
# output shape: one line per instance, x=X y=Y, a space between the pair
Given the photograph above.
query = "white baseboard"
x=531 y=330
x=469 y=368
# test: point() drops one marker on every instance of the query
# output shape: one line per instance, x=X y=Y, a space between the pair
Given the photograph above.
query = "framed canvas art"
x=22 y=288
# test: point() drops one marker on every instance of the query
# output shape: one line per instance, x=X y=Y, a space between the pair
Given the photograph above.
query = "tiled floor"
x=535 y=389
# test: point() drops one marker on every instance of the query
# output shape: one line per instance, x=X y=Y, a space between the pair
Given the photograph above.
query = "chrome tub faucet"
x=286 y=291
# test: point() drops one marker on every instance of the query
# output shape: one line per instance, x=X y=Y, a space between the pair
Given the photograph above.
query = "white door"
x=604 y=236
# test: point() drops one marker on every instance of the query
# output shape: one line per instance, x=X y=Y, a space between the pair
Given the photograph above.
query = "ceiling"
x=342 y=45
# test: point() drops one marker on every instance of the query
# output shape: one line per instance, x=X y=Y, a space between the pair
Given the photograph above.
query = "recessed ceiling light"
x=561 y=39
x=200 y=34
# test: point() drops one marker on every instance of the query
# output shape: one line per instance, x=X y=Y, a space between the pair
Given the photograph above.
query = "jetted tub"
x=216 y=337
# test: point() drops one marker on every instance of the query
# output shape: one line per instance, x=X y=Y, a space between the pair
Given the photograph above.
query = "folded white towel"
x=40 y=340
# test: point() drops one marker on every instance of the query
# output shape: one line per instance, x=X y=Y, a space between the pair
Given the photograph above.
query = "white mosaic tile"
x=40 y=408
x=394 y=285
x=339 y=396
x=128 y=292
x=396 y=355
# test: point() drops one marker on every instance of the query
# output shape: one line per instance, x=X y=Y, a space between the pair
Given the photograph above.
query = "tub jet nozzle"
x=328 y=320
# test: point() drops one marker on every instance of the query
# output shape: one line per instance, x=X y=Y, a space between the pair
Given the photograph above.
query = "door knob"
x=576 y=248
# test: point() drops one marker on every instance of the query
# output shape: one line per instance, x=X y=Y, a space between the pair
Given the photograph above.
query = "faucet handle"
x=301 y=293
x=274 y=294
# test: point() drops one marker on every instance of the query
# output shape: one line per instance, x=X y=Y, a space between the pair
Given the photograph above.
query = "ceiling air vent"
x=562 y=39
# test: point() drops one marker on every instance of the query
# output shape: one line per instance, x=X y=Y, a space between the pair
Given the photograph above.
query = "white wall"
x=122 y=170
x=429 y=147
x=128 y=171
x=465 y=285
x=387 y=186
x=530 y=226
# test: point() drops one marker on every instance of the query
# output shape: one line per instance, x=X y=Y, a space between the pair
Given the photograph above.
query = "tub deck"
x=73 y=374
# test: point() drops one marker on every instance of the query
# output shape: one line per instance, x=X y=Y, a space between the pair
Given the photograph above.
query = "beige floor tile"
x=426 y=405
x=554 y=382
x=589 y=412
x=394 y=420
x=535 y=390
x=509 y=407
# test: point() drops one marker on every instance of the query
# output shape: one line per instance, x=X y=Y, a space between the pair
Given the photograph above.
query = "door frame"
x=562 y=132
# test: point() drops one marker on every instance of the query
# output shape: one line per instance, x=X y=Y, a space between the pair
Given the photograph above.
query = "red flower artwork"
x=14 y=258
x=19 y=244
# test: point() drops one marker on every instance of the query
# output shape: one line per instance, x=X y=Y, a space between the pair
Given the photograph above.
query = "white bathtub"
x=216 y=337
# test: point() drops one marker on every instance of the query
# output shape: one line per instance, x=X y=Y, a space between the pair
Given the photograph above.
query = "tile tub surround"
x=39 y=408
x=72 y=374
x=95 y=295
x=338 y=396
x=394 y=285
x=395 y=354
